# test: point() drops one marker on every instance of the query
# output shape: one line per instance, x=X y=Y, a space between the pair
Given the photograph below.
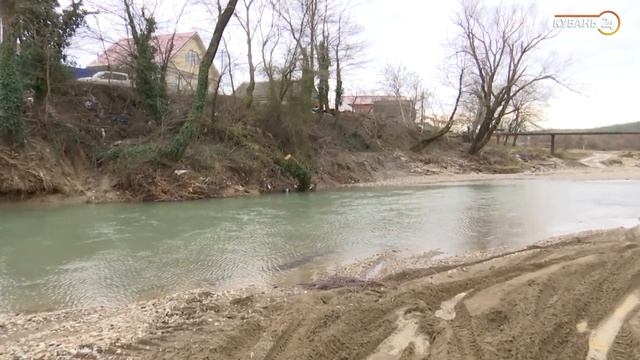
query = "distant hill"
x=595 y=142
x=633 y=126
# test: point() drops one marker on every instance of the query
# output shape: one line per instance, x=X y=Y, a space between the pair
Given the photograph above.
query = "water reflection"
x=111 y=254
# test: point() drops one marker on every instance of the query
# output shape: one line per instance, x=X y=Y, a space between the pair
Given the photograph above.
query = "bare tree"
x=348 y=50
x=226 y=70
x=314 y=37
x=249 y=29
x=339 y=91
x=401 y=83
x=452 y=116
x=526 y=111
x=149 y=82
x=282 y=39
x=299 y=20
x=269 y=40
x=165 y=50
x=416 y=88
x=501 y=48
x=229 y=65
x=189 y=130
x=324 y=61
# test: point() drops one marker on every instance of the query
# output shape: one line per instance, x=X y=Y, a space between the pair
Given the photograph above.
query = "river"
x=55 y=257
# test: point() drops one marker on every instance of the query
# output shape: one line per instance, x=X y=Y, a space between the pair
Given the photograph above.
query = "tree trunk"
x=422 y=108
x=202 y=86
x=7 y=13
x=47 y=94
x=425 y=142
x=404 y=118
x=230 y=70
x=248 y=100
x=189 y=130
x=147 y=74
x=214 y=101
x=307 y=81
x=339 y=89
x=252 y=82
x=479 y=140
x=323 y=74
x=12 y=126
x=482 y=138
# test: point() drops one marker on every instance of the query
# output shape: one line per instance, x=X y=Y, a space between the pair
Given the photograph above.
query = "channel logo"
x=607 y=22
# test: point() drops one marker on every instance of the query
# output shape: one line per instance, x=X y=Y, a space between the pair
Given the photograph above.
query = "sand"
x=565 y=298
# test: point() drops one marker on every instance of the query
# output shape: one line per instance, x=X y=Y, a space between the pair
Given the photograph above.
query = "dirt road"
x=574 y=299
x=596 y=160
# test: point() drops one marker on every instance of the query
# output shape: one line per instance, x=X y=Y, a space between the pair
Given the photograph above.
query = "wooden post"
x=553 y=144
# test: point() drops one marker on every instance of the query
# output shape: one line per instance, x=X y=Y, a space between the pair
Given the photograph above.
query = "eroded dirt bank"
x=99 y=146
x=574 y=298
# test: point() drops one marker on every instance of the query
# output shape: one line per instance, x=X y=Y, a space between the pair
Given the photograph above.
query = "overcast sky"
x=603 y=70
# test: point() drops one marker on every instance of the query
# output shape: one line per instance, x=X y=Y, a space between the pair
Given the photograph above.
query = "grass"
x=131 y=157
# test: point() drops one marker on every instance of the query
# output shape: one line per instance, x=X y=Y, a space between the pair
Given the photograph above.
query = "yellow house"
x=181 y=51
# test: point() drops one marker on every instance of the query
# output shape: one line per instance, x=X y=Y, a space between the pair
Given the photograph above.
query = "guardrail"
x=553 y=135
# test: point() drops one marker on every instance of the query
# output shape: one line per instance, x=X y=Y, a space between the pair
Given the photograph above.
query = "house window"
x=192 y=58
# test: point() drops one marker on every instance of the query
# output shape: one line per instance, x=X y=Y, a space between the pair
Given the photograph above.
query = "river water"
x=54 y=257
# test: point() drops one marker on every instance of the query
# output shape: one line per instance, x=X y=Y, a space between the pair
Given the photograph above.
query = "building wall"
x=183 y=76
x=390 y=110
x=362 y=108
x=178 y=81
x=261 y=92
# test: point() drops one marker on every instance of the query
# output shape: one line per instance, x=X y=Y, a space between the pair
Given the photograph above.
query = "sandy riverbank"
x=398 y=170
x=404 y=179
x=569 y=173
x=561 y=299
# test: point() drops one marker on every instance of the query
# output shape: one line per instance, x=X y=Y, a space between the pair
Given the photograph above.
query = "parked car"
x=108 y=78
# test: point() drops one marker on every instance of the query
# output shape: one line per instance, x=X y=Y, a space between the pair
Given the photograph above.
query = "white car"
x=108 y=78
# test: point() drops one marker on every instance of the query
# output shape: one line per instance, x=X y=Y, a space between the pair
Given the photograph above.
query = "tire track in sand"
x=602 y=338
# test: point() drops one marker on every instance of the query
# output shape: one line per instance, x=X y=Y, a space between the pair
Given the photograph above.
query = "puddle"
x=603 y=336
x=406 y=333
x=447 y=309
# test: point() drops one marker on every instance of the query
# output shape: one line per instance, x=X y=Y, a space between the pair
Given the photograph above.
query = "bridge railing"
x=553 y=135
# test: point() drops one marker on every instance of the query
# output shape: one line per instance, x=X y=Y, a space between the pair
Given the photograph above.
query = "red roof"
x=368 y=99
x=118 y=53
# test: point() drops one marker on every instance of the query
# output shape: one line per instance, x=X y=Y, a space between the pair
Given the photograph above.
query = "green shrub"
x=12 y=127
x=178 y=147
x=297 y=171
x=131 y=157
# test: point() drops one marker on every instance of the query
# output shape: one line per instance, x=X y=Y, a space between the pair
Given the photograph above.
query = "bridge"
x=553 y=135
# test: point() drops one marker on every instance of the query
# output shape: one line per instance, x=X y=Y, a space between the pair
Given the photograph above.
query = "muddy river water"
x=54 y=257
